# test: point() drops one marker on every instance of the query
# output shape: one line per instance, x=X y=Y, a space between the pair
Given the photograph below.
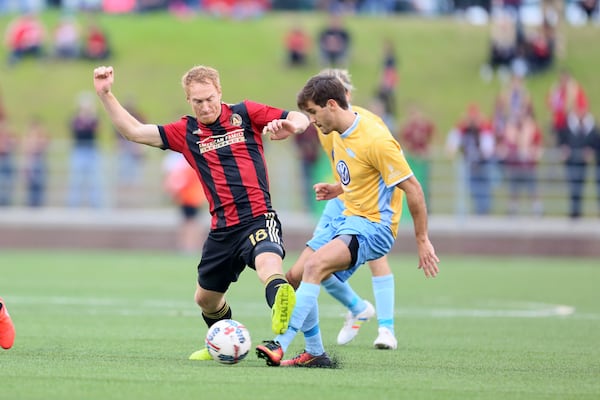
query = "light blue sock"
x=312 y=333
x=343 y=292
x=383 y=290
x=307 y=295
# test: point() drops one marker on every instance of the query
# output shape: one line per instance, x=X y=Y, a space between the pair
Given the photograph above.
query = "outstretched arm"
x=127 y=125
x=295 y=123
x=428 y=260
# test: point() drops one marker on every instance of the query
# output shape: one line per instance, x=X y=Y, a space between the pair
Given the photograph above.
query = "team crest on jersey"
x=343 y=172
x=235 y=120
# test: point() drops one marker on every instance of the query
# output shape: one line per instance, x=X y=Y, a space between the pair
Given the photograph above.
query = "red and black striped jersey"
x=228 y=156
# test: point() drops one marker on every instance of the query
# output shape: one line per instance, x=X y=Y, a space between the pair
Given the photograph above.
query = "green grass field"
x=120 y=325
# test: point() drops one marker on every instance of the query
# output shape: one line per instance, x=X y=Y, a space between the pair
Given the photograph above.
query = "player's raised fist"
x=103 y=79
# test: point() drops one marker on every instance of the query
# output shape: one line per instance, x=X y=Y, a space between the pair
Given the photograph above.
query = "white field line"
x=126 y=307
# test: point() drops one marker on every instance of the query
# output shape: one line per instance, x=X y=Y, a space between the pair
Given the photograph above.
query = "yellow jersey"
x=369 y=164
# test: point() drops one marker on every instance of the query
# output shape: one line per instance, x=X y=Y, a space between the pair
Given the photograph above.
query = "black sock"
x=272 y=287
x=223 y=313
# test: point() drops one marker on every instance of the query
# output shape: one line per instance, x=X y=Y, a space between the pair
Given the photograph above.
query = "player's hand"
x=428 y=260
x=279 y=129
x=327 y=191
x=103 y=79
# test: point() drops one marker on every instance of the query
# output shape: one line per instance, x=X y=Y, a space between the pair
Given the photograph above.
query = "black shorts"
x=188 y=212
x=228 y=251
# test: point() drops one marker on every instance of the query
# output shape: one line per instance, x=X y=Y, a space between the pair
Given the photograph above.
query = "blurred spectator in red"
x=576 y=144
x=185 y=189
x=564 y=96
x=473 y=138
x=520 y=151
x=334 y=42
x=309 y=149
x=35 y=149
x=297 y=45
x=96 y=45
x=67 y=39
x=415 y=137
x=388 y=82
x=540 y=48
x=25 y=37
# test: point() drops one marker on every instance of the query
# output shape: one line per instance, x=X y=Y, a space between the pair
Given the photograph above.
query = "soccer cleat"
x=281 y=312
x=201 y=355
x=7 y=329
x=353 y=324
x=307 y=360
x=385 y=340
x=270 y=351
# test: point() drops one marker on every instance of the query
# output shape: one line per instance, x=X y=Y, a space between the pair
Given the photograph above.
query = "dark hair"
x=319 y=89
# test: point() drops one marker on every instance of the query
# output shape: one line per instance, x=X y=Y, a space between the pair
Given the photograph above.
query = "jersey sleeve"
x=262 y=114
x=173 y=135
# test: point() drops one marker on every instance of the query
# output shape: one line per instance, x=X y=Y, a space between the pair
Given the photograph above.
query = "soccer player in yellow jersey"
x=370 y=166
x=359 y=309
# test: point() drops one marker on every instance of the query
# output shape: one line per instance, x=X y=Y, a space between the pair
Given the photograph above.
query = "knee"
x=292 y=279
x=313 y=270
x=202 y=300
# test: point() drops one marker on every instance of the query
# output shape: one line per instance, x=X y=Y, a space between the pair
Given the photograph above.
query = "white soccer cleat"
x=385 y=340
x=353 y=324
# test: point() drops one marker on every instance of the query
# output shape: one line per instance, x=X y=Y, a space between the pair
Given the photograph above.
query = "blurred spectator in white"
x=85 y=175
x=67 y=38
x=473 y=138
x=297 y=45
x=563 y=97
x=504 y=45
x=24 y=37
x=576 y=142
x=35 y=148
x=520 y=151
x=334 y=42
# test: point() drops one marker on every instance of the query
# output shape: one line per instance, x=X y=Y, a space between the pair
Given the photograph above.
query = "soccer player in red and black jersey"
x=223 y=143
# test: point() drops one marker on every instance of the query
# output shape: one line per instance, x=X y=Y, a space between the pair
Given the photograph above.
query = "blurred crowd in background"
x=500 y=147
x=575 y=11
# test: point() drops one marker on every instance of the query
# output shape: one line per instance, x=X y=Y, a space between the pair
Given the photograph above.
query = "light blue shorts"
x=374 y=240
x=333 y=208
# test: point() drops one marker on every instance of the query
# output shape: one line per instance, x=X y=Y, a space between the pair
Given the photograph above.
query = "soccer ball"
x=228 y=341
